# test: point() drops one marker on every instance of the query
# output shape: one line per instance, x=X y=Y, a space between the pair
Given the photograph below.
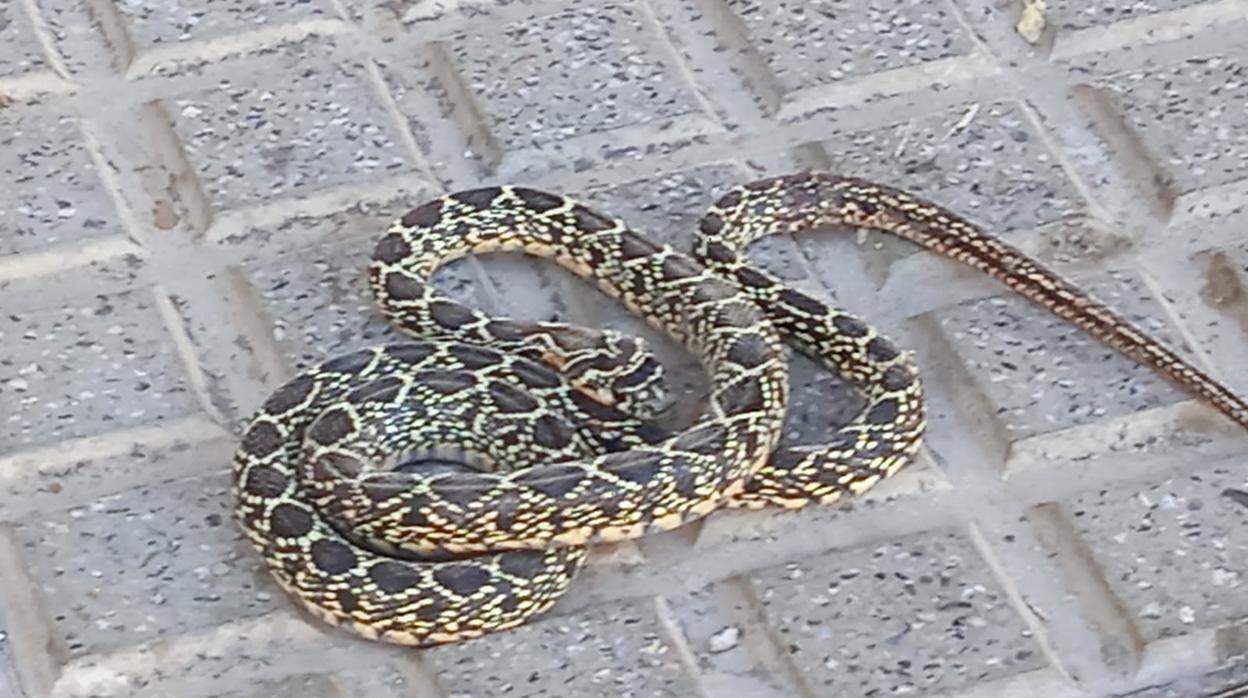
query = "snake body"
x=559 y=414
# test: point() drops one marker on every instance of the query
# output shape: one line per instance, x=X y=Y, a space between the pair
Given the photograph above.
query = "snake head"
x=614 y=369
x=639 y=383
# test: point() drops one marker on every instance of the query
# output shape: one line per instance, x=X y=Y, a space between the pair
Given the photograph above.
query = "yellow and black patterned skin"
x=558 y=414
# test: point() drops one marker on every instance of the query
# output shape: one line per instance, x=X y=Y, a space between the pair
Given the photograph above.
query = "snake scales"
x=364 y=540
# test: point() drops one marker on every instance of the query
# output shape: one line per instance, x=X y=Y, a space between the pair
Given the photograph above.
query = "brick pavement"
x=193 y=189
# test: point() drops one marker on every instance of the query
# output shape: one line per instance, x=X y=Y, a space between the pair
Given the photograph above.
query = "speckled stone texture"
x=54 y=195
x=193 y=190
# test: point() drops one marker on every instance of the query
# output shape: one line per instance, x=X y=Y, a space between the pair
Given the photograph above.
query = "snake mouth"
x=432 y=461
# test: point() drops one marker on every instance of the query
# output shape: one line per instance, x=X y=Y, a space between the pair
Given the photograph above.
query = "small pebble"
x=725 y=639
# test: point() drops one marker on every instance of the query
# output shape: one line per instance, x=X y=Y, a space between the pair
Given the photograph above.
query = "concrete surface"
x=192 y=190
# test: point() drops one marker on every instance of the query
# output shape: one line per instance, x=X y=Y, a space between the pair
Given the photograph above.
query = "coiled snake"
x=363 y=539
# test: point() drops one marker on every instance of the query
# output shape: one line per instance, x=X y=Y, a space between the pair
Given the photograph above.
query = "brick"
x=316 y=126
x=22 y=53
x=180 y=550
x=318 y=301
x=55 y=196
x=617 y=649
x=98 y=363
x=608 y=53
x=1178 y=111
x=153 y=24
x=913 y=614
x=1168 y=548
x=808 y=44
x=1069 y=15
x=985 y=162
x=1037 y=370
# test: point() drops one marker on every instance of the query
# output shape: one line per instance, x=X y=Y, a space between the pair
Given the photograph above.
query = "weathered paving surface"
x=191 y=191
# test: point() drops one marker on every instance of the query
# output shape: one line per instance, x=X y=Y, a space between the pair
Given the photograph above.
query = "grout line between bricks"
x=47 y=41
x=957 y=70
x=1174 y=318
x=671 y=58
x=236 y=222
x=66 y=257
x=761 y=638
x=114 y=30
x=151 y=60
x=1085 y=579
x=65 y=456
x=398 y=121
x=1136 y=165
x=466 y=112
x=757 y=77
x=183 y=186
x=31 y=636
x=175 y=326
x=30 y=86
x=1018 y=600
x=690 y=128
x=1149 y=29
x=675 y=637
x=438 y=20
x=255 y=328
x=111 y=179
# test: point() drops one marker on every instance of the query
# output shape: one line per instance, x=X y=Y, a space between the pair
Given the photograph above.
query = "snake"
x=555 y=425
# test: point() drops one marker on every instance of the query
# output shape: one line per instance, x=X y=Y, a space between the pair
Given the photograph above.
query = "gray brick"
x=149 y=563
x=1203 y=292
x=21 y=51
x=444 y=118
x=1069 y=15
x=1180 y=112
x=1168 y=547
x=984 y=161
x=319 y=303
x=614 y=650
x=152 y=23
x=308 y=686
x=309 y=125
x=915 y=614
x=95 y=364
x=733 y=647
x=606 y=53
x=1044 y=376
x=815 y=43
x=55 y=196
